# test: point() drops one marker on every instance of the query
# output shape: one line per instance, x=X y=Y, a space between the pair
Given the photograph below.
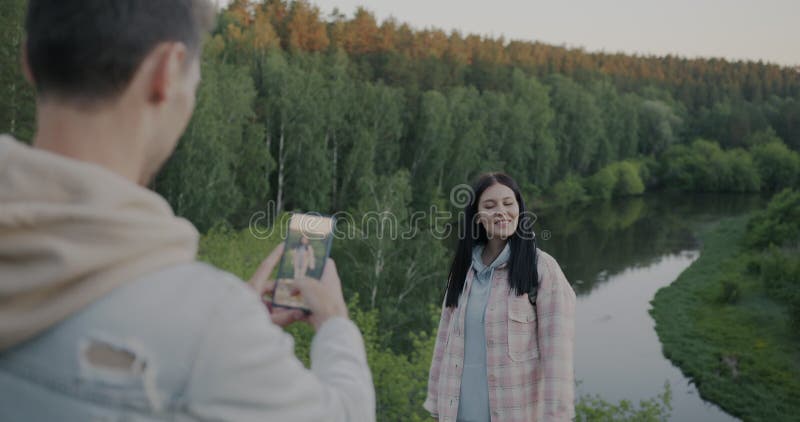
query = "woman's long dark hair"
x=523 y=276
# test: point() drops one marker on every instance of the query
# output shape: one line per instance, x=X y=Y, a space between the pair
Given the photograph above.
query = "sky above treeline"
x=765 y=30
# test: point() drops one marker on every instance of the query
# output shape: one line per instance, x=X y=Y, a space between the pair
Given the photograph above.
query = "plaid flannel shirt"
x=529 y=362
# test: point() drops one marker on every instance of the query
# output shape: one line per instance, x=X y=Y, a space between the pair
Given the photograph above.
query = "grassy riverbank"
x=721 y=326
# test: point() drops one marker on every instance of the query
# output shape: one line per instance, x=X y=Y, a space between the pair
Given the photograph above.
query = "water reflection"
x=593 y=242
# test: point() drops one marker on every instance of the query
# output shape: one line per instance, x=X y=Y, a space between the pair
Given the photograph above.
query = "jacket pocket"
x=522 y=335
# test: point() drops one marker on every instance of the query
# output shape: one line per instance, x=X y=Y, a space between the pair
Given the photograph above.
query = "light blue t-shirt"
x=473 y=403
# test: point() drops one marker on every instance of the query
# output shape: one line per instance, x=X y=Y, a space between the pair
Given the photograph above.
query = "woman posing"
x=499 y=355
x=303 y=257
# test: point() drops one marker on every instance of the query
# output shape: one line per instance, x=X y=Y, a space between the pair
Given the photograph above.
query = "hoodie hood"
x=500 y=261
x=71 y=232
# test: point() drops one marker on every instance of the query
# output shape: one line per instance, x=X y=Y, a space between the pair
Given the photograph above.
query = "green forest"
x=309 y=112
x=314 y=111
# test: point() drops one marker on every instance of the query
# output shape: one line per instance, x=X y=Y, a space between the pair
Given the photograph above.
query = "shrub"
x=704 y=166
x=778 y=166
x=617 y=179
x=775 y=232
x=569 y=190
x=601 y=184
x=780 y=275
x=709 y=170
x=778 y=224
x=743 y=175
x=686 y=168
x=629 y=182
x=729 y=292
x=400 y=380
x=648 y=169
x=592 y=408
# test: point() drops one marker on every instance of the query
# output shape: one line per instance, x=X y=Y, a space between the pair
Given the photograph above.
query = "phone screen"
x=308 y=244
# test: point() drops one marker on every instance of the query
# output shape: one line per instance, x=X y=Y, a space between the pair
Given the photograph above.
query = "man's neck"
x=98 y=136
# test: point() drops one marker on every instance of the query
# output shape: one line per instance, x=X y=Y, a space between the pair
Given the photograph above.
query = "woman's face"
x=498 y=211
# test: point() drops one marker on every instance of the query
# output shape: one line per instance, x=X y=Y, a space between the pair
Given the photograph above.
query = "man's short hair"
x=91 y=49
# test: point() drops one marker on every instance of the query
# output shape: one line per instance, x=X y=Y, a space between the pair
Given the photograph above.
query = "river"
x=617 y=255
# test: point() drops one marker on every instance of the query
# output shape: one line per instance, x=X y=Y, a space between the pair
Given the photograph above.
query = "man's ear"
x=170 y=61
x=25 y=63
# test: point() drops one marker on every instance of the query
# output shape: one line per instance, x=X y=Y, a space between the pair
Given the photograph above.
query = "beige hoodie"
x=70 y=232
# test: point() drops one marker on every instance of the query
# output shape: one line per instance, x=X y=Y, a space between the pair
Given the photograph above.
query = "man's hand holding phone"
x=323 y=297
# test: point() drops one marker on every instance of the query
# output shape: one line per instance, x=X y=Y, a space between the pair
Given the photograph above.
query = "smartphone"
x=308 y=245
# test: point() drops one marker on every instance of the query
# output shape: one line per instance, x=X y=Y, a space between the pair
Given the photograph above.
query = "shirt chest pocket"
x=522 y=330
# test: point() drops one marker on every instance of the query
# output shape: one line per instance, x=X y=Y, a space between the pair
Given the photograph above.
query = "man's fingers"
x=268 y=287
x=330 y=265
x=266 y=267
x=299 y=285
x=260 y=278
x=284 y=317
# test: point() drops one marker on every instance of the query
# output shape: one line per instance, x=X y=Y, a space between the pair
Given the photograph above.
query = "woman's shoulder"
x=545 y=261
x=550 y=273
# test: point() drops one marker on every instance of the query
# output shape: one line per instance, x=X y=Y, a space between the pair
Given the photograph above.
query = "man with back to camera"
x=104 y=312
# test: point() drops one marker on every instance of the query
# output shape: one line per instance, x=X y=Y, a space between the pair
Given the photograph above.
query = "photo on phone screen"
x=308 y=244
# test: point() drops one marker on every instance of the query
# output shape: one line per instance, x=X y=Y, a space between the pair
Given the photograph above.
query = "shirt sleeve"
x=432 y=401
x=246 y=370
x=555 y=305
